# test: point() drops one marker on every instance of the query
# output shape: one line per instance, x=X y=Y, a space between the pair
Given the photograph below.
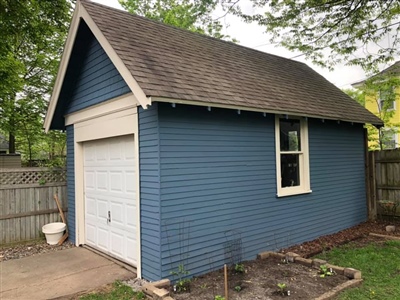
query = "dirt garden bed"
x=270 y=278
x=261 y=279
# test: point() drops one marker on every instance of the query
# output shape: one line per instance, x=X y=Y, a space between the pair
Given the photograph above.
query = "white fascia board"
x=62 y=69
x=81 y=13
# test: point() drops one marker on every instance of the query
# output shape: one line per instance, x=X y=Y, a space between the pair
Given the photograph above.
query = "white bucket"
x=53 y=232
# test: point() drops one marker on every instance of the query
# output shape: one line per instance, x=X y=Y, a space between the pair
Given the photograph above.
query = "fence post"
x=369 y=179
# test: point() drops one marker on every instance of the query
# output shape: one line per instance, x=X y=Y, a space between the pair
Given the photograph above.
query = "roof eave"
x=254 y=109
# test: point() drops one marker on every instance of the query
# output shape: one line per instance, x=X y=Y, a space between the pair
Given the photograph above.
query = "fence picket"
x=26 y=201
x=384 y=174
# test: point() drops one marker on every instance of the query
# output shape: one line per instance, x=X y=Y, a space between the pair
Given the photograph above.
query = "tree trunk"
x=11 y=143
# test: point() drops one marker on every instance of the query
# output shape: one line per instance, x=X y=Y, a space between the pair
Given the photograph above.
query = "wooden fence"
x=383 y=182
x=27 y=203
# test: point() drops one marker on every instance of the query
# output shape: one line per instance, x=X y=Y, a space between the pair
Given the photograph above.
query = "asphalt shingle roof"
x=173 y=63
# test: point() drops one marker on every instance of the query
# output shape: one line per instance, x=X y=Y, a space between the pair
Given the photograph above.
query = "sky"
x=252 y=36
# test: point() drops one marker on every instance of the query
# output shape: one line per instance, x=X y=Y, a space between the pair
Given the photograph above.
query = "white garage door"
x=110 y=197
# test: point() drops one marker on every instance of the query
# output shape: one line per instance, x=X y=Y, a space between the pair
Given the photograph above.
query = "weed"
x=325 y=271
x=283 y=289
x=239 y=268
x=238 y=288
x=182 y=284
x=119 y=291
x=218 y=297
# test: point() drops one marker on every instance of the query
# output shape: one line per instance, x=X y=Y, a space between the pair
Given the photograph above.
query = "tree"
x=332 y=31
x=380 y=93
x=194 y=15
x=33 y=34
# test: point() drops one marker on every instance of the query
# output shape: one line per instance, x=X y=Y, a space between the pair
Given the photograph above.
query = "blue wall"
x=149 y=149
x=71 y=183
x=218 y=184
x=91 y=78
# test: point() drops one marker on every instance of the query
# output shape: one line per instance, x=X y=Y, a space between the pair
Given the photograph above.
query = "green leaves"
x=33 y=34
x=332 y=32
x=194 y=15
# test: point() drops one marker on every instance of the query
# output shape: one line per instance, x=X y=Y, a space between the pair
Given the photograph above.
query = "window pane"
x=289 y=135
x=290 y=170
x=386 y=98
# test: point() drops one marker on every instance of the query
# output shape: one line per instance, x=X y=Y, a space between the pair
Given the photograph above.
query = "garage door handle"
x=109 y=217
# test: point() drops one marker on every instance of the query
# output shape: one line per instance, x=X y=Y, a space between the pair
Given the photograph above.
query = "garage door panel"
x=91 y=233
x=116 y=181
x=130 y=182
x=101 y=180
x=115 y=151
x=91 y=206
x=131 y=246
x=117 y=243
x=130 y=216
x=117 y=213
x=109 y=167
x=103 y=238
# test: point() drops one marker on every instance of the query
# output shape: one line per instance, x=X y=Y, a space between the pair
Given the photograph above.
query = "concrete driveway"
x=57 y=274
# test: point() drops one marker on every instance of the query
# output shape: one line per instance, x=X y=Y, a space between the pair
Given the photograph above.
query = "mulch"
x=327 y=242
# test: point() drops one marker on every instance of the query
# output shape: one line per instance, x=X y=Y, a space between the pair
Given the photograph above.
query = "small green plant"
x=238 y=288
x=182 y=284
x=239 y=268
x=218 y=297
x=283 y=289
x=325 y=271
x=203 y=286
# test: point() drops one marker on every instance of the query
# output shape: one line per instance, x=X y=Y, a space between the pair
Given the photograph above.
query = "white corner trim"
x=138 y=224
x=118 y=104
x=121 y=67
x=79 y=193
x=81 y=13
x=62 y=69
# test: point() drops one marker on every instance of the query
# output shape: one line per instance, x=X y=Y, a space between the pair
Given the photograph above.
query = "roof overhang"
x=245 y=108
x=81 y=13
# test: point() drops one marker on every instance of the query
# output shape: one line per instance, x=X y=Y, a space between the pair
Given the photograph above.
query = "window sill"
x=292 y=193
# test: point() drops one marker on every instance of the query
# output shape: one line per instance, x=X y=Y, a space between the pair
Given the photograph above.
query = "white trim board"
x=81 y=14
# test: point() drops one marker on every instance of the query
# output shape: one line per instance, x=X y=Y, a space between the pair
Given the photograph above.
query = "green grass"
x=379 y=266
x=119 y=291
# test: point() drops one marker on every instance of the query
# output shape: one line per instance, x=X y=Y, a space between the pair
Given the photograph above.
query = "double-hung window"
x=292 y=163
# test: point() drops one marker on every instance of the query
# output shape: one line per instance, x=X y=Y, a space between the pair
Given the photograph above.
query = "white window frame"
x=304 y=163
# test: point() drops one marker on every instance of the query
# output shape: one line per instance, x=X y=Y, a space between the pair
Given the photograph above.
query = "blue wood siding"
x=218 y=186
x=71 y=183
x=149 y=150
x=91 y=78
